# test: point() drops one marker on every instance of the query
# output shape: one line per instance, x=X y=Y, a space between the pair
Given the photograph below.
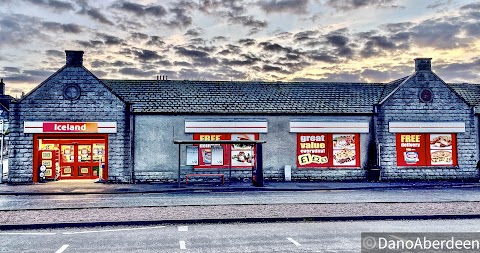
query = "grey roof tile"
x=176 y=96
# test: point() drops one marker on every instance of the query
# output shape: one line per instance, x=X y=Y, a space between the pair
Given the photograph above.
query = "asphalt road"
x=11 y=202
x=221 y=238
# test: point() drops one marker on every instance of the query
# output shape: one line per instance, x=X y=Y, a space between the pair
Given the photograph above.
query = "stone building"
x=74 y=125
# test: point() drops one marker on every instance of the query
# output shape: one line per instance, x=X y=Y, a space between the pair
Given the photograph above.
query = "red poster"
x=236 y=156
x=312 y=151
x=442 y=151
x=327 y=150
x=411 y=150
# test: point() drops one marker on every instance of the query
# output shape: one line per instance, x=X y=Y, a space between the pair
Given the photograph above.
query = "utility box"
x=288 y=173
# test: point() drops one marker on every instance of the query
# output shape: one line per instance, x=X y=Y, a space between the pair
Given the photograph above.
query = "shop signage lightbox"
x=33 y=127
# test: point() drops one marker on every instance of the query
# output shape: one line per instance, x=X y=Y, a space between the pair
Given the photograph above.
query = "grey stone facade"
x=47 y=103
x=404 y=105
x=151 y=114
x=156 y=156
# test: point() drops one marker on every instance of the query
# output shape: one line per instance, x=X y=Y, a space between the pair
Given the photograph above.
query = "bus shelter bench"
x=205 y=175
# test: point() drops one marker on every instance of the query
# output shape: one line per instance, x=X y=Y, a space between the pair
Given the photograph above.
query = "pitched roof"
x=175 y=96
x=170 y=96
x=469 y=92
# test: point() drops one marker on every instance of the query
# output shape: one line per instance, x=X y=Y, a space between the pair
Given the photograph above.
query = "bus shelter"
x=257 y=168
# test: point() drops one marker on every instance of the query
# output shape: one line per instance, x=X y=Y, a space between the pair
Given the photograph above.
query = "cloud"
x=90 y=44
x=11 y=69
x=199 y=55
x=110 y=39
x=274 y=47
x=53 y=4
x=156 y=41
x=247 y=42
x=248 y=60
x=288 y=6
x=93 y=13
x=140 y=10
x=180 y=19
x=341 y=41
x=347 y=5
x=437 y=33
x=439 y=3
x=16 y=29
x=58 y=27
x=271 y=68
x=305 y=36
x=182 y=63
x=147 y=55
x=322 y=57
x=194 y=32
x=55 y=53
x=139 y=36
x=237 y=7
x=247 y=21
x=136 y=72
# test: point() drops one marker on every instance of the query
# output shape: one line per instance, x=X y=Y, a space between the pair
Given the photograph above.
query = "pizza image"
x=344 y=156
x=343 y=141
x=441 y=141
x=441 y=156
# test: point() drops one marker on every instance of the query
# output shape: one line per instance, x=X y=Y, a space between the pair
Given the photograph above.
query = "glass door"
x=68 y=161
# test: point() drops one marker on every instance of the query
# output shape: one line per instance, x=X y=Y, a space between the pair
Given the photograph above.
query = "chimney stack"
x=74 y=58
x=423 y=64
x=2 y=87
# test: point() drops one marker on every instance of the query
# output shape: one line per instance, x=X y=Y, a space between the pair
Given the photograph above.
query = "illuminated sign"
x=69 y=127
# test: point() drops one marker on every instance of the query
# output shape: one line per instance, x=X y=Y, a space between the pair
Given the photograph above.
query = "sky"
x=240 y=40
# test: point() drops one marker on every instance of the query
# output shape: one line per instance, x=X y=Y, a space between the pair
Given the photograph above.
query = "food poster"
x=312 y=151
x=441 y=149
x=242 y=154
x=344 y=150
x=411 y=150
x=205 y=150
x=209 y=156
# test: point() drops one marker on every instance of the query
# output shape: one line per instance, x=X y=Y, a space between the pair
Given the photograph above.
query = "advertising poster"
x=221 y=156
x=242 y=154
x=192 y=155
x=441 y=152
x=217 y=155
x=312 y=150
x=344 y=150
x=411 y=150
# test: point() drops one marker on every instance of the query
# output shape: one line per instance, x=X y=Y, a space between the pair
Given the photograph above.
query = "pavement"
x=68 y=187
x=234 y=212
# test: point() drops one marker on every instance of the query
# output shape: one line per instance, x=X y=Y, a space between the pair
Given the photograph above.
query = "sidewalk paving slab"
x=89 y=187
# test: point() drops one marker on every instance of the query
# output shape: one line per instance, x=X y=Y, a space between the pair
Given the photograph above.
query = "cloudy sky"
x=269 y=40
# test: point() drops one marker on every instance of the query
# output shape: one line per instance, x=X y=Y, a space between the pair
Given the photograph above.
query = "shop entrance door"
x=77 y=158
x=81 y=159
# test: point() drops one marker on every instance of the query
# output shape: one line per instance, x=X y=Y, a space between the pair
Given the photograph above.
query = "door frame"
x=36 y=159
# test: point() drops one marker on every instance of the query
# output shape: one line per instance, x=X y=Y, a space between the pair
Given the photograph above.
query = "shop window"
x=225 y=155
x=318 y=150
x=426 y=150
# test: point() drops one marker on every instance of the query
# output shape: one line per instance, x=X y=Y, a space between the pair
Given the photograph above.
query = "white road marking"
x=294 y=242
x=182 y=245
x=28 y=233
x=110 y=230
x=183 y=228
x=63 y=248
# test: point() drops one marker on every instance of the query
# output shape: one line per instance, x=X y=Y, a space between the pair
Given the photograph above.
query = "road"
x=240 y=237
x=11 y=202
